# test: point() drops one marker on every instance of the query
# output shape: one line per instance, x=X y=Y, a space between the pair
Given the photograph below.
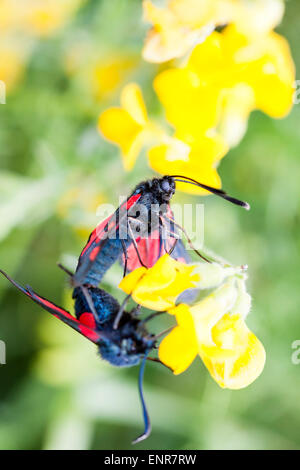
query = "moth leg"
x=120 y=312
x=162 y=333
x=89 y=301
x=172 y=234
x=84 y=291
x=188 y=238
x=136 y=310
x=135 y=244
x=162 y=234
x=153 y=315
x=125 y=257
x=155 y=359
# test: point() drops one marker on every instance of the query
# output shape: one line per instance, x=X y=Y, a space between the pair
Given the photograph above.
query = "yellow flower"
x=108 y=73
x=214 y=329
x=43 y=17
x=227 y=77
x=100 y=73
x=191 y=104
x=158 y=288
x=199 y=163
x=184 y=23
x=35 y=17
x=175 y=28
x=236 y=105
x=127 y=126
x=257 y=17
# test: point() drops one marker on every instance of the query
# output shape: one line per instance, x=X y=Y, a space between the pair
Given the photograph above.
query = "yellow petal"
x=169 y=37
x=157 y=288
x=237 y=104
x=211 y=309
x=273 y=75
x=214 y=327
x=257 y=17
x=132 y=101
x=191 y=105
x=265 y=65
x=178 y=349
x=238 y=358
x=117 y=125
x=130 y=281
x=200 y=165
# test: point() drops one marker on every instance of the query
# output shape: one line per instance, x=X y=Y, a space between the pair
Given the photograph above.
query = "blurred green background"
x=55 y=393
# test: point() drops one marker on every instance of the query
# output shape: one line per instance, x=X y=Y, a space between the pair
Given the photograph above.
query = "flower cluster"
x=209 y=96
x=184 y=23
x=213 y=328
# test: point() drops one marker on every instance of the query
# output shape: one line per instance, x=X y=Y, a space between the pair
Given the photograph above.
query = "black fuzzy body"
x=121 y=347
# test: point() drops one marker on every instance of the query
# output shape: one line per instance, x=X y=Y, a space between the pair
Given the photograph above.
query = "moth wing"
x=89 y=271
x=58 y=312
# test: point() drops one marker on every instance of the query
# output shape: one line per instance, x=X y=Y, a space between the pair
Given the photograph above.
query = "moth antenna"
x=14 y=283
x=66 y=270
x=147 y=429
x=84 y=291
x=217 y=192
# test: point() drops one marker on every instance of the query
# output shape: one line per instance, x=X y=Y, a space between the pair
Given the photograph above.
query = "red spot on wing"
x=88 y=319
x=132 y=200
x=97 y=234
x=86 y=327
x=94 y=253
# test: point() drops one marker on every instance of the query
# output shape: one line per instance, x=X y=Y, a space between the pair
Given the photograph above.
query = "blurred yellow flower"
x=128 y=126
x=199 y=163
x=158 y=288
x=101 y=73
x=182 y=24
x=227 y=77
x=175 y=28
x=257 y=17
x=36 y=17
x=108 y=73
x=44 y=17
x=191 y=104
x=230 y=351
